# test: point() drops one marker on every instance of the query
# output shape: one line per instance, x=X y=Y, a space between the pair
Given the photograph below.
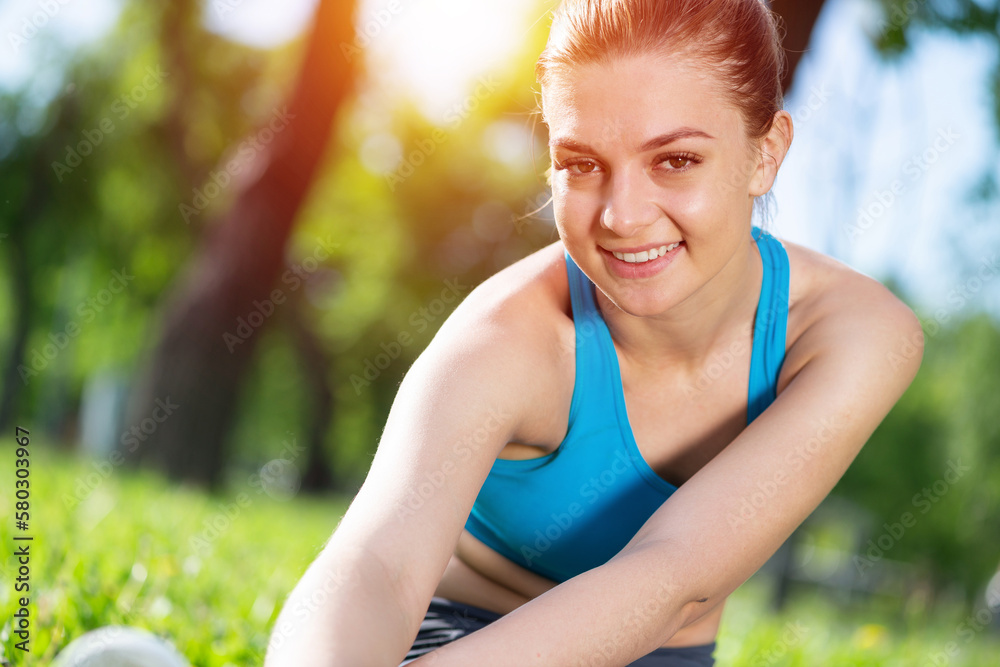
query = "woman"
x=608 y=437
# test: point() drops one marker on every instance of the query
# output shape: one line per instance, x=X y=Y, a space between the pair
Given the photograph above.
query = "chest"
x=681 y=422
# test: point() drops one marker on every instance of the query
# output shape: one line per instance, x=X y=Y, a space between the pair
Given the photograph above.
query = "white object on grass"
x=119 y=646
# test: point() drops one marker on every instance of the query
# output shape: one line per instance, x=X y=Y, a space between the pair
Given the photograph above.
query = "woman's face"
x=649 y=158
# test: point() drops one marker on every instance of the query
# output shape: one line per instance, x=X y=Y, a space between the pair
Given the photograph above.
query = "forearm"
x=609 y=616
x=343 y=612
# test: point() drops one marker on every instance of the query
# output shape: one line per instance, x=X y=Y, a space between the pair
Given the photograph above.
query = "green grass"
x=138 y=551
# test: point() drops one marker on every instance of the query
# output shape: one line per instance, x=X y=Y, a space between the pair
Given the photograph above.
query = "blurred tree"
x=89 y=185
x=317 y=368
x=947 y=419
x=902 y=19
x=30 y=186
x=56 y=169
x=798 y=18
x=202 y=355
x=934 y=458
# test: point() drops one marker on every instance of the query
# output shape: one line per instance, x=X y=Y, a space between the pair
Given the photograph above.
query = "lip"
x=638 y=249
x=631 y=271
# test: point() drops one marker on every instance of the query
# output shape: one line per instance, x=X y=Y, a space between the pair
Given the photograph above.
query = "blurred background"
x=228 y=227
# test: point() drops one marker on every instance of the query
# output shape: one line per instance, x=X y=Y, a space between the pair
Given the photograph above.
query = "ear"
x=773 y=149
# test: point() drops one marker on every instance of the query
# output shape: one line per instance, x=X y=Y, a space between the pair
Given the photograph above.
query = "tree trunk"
x=13 y=384
x=196 y=369
x=799 y=19
x=316 y=369
x=28 y=220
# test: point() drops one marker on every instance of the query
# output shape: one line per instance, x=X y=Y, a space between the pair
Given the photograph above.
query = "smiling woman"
x=613 y=163
x=582 y=461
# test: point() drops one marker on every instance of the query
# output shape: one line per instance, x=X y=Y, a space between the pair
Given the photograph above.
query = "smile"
x=645 y=255
x=643 y=264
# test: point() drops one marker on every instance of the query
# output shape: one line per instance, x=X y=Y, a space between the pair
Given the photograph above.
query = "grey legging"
x=447 y=621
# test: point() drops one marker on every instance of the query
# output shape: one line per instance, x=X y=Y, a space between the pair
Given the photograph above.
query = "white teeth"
x=645 y=255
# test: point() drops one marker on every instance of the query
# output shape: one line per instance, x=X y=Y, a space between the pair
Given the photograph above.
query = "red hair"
x=738 y=38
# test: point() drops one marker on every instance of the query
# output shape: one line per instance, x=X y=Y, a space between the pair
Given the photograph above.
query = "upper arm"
x=852 y=365
x=458 y=405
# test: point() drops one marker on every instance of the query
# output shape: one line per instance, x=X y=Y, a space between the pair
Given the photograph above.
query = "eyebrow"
x=655 y=142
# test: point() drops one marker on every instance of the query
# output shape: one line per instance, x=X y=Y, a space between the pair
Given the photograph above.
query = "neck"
x=687 y=334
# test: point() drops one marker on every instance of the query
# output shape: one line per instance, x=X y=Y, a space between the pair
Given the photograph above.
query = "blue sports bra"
x=573 y=509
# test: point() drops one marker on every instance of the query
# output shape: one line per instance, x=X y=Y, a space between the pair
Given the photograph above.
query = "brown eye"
x=585 y=167
x=678 y=162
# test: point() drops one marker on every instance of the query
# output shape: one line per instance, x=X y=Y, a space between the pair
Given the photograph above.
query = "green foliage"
x=901 y=20
x=948 y=416
x=276 y=384
x=812 y=630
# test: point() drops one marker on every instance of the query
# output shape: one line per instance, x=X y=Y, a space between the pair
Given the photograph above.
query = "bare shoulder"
x=483 y=381
x=530 y=282
x=834 y=309
x=528 y=298
x=524 y=313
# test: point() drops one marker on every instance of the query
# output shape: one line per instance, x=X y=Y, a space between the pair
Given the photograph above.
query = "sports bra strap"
x=770 y=325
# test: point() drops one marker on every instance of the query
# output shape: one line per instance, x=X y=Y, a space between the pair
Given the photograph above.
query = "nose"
x=628 y=208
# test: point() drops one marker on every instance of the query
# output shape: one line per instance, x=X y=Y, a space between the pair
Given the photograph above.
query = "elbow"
x=696 y=609
x=682 y=590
